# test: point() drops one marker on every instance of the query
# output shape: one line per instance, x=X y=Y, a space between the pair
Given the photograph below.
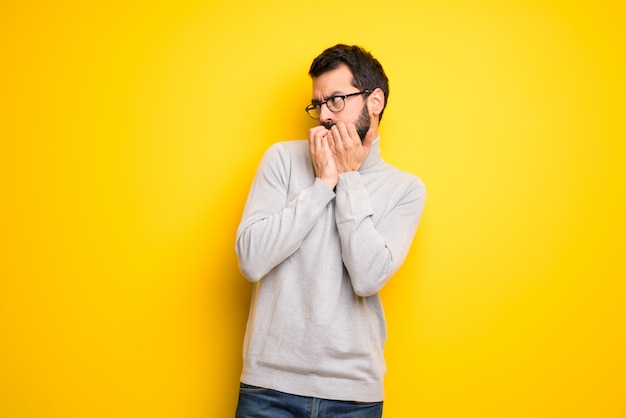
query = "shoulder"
x=283 y=156
x=286 y=152
x=403 y=176
x=404 y=182
x=288 y=148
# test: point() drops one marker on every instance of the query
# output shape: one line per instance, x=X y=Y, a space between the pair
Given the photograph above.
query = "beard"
x=362 y=124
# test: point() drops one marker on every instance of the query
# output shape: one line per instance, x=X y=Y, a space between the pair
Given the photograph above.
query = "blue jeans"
x=255 y=402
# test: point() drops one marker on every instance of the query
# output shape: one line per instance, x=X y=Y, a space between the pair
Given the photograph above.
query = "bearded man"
x=326 y=224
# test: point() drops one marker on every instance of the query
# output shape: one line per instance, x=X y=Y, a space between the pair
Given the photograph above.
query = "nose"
x=325 y=114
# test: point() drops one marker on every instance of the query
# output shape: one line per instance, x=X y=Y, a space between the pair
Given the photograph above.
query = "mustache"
x=328 y=124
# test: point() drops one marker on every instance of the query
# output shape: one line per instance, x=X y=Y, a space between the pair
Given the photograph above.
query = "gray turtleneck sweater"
x=318 y=259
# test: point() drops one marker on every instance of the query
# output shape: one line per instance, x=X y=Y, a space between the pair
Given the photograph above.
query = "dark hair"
x=367 y=72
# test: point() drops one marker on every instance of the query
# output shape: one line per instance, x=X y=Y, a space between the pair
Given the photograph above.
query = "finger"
x=347 y=133
x=324 y=143
x=318 y=135
x=353 y=134
x=312 y=141
x=318 y=130
x=331 y=138
x=315 y=143
x=339 y=136
x=338 y=129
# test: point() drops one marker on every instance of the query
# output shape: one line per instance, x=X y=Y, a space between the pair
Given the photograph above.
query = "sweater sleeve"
x=371 y=252
x=273 y=228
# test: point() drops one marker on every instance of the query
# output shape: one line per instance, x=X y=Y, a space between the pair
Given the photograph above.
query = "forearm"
x=268 y=235
x=373 y=250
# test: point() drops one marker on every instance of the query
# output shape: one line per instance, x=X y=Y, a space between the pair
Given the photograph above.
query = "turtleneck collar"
x=374 y=155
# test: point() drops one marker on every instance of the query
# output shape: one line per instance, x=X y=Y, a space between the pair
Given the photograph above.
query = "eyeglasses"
x=334 y=103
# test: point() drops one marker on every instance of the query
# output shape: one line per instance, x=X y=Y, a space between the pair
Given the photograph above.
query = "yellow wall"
x=129 y=137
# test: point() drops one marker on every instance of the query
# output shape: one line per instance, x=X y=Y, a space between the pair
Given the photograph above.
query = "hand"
x=321 y=156
x=346 y=147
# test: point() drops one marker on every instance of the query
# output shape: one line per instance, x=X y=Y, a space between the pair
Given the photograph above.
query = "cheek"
x=352 y=117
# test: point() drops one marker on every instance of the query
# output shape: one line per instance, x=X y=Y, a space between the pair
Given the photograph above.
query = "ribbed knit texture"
x=318 y=259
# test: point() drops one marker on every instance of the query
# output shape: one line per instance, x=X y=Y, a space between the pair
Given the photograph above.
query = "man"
x=326 y=224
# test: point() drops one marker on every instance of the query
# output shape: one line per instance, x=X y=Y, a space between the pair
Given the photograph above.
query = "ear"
x=376 y=101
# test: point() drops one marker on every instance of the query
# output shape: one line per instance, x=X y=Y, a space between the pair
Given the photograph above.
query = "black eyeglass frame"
x=318 y=105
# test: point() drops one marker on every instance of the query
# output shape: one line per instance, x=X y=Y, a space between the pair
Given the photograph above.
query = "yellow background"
x=130 y=132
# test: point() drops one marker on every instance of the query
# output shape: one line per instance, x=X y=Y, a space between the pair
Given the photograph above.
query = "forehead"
x=332 y=82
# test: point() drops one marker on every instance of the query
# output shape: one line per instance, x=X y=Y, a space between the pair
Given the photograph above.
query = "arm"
x=372 y=253
x=273 y=228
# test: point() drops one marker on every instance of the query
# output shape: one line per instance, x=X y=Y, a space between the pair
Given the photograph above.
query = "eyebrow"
x=333 y=94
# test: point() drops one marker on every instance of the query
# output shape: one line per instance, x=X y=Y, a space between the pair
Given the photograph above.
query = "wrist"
x=331 y=182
